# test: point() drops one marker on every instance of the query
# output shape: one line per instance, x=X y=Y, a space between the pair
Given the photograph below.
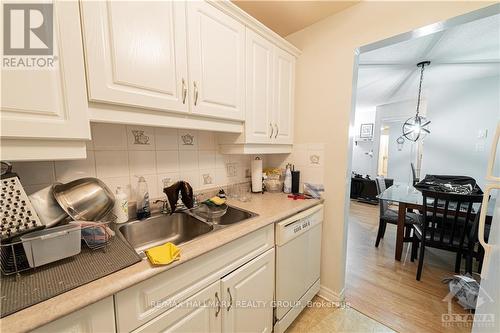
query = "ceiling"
x=285 y=17
x=468 y=51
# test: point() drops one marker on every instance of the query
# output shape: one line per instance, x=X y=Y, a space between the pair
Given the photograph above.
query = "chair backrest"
x=383 y=204
x=449 y=219
x=414 y=173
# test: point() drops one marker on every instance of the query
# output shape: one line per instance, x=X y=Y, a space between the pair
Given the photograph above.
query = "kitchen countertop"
x=271 y=207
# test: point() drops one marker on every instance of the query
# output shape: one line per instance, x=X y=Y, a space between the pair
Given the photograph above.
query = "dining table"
x=408 y=198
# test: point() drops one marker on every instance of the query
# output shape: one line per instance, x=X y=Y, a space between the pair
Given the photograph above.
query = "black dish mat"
x=39 y=284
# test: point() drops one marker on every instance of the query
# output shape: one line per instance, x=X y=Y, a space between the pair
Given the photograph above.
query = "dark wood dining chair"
x=388 y=215
x=449 y=223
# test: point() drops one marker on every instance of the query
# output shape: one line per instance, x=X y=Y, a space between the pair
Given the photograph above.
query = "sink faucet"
x=165 y=207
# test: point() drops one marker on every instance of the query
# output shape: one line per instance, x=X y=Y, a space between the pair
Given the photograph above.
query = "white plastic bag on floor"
x=465 y=289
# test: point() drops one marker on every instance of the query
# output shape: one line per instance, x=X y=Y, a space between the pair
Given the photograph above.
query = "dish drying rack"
x=95 y=236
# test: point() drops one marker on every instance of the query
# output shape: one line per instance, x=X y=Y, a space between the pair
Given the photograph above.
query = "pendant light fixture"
x=416 y=128
x=400 y=141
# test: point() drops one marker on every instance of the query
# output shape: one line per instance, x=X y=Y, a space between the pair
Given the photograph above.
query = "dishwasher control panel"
x=298 y=224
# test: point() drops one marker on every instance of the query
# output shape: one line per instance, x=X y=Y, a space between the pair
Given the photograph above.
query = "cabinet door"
x=248 y=295
x=216 y=62
x=201 y=312
x=96 y=318
x=48 y=102
x=136 y=53
x=284 y=96
x=259 y=89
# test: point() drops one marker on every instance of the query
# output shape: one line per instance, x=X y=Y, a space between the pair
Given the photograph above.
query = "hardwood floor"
x=386 y=290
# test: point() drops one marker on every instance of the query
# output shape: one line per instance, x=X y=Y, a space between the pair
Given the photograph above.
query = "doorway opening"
x=460 y=97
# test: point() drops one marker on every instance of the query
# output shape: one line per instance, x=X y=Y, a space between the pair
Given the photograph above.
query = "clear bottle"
x=287 y=186
x=142 y=202
x=120 y=210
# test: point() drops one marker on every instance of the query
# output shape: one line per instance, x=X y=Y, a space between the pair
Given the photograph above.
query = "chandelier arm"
x=406 y=133
x=418 y=136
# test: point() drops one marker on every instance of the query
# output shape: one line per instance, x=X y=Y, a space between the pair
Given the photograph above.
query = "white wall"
x=398 y=161
x=361 y=162
x=323 y=100
x=458 y=112
x=394 y=115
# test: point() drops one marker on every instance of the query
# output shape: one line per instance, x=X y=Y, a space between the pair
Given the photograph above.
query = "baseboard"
x=330 y=295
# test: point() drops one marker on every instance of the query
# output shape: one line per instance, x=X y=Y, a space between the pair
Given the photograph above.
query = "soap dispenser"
x=142 y=202
x=121 y=206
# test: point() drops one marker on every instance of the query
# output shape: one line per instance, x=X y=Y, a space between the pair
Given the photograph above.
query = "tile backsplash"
x=309 y=159
x=118 y=153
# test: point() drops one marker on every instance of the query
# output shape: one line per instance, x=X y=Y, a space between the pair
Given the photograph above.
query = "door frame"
x=419 y=32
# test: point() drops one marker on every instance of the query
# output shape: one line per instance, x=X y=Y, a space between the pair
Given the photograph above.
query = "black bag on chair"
x=451 y=184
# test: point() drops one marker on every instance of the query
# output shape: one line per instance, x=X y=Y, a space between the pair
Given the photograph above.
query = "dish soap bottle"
x=120 y=210
x=143 y=210
x=287 y=187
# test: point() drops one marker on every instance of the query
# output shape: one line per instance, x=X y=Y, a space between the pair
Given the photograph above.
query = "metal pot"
x=87 y=199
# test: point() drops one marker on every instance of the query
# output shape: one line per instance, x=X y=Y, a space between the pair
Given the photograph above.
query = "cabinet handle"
x=230 y=299
x=277 y=131
x=195 y=93
x=272 y=130
x=184 y=91
x=218 y=304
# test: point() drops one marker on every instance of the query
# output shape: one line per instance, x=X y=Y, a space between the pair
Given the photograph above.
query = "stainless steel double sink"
x=178 y=228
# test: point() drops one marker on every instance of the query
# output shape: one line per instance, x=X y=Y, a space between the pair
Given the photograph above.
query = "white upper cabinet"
x=284 y=96
x=270 y=82
x=259 y=88
x=136 y=53
x=48 y=102
x=216 y=62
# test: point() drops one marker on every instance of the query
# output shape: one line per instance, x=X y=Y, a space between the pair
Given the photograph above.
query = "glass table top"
x=402 y=192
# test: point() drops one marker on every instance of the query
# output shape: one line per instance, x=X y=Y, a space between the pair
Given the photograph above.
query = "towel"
x=163 y=254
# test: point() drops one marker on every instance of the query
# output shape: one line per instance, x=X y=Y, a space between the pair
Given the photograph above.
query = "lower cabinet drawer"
x=95 y=318
x=137 y=305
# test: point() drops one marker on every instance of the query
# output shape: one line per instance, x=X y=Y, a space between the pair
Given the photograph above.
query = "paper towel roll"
x=257 y=175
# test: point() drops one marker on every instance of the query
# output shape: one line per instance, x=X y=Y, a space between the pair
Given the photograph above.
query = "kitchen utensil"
x=45 y=246
x=87 y=199
x=47 y=208
x=299 y=196
x=16 y=212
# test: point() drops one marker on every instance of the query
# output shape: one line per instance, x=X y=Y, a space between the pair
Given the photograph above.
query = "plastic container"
x=120 y=210
x=49 y=245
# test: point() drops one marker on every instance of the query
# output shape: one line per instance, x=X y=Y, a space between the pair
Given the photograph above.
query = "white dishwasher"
x=298 y=257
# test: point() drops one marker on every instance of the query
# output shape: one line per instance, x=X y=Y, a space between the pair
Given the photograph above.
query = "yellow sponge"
x=218 y=201
x=163 y=254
